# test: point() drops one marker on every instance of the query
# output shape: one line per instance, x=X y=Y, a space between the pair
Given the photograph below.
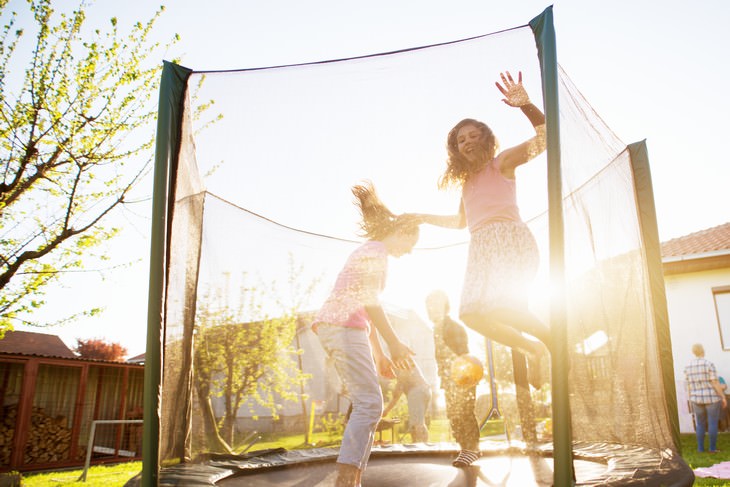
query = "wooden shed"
x=49 y=399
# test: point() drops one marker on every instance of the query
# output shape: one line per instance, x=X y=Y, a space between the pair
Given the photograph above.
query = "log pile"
x=7 y=430
x=49 y=440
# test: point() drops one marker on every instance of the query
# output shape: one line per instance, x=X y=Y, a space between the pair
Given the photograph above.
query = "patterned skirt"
x=502 y=263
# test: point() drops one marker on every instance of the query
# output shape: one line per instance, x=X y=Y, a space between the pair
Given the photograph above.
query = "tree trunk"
x=229 y=427
x=213 y=439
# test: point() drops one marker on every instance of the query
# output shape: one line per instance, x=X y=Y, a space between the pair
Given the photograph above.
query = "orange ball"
x=466 y=370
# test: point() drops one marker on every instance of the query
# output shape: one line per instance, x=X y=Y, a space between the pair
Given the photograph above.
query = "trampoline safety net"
x=258 y=221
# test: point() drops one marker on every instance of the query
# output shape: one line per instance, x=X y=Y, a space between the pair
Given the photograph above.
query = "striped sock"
x=466 y=458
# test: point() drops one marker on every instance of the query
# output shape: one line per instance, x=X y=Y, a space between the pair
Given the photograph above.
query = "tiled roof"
x=31 y=343
x=715 y=239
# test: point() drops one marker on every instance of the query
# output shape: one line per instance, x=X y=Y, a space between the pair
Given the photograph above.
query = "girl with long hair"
x=503 y=255
x=350 y=320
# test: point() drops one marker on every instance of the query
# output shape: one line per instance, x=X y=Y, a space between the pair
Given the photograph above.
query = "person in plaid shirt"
x=706 y=396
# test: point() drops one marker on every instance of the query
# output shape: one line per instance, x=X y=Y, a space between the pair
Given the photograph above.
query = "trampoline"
x=252 y=219
x=501 y=464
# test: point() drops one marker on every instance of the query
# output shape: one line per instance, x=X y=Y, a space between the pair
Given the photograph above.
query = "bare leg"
x=347 y=476
x=502 y=333
x=523 y=321
x=506 y=326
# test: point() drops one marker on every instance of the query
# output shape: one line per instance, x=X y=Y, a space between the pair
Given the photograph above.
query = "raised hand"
x=515 y=94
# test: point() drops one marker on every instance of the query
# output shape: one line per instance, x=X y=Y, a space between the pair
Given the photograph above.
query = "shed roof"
x=32 y=343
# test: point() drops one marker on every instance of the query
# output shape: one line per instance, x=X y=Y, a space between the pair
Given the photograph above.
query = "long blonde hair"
x=377 y=220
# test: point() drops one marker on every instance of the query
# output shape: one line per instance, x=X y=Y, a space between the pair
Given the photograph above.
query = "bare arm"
x=397 y=393
x=720 y=391
x=515 y=95
x=383 y=364
x=456 y=221
x=399 y=352
x=455 y=337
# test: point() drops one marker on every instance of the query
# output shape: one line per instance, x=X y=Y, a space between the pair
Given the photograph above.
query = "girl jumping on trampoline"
x=343 y=326
x=503 y=255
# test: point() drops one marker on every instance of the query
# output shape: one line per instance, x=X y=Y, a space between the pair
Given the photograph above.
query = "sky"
x=652 y=70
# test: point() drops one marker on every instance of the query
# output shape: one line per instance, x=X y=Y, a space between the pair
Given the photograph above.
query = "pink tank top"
x=489 y=197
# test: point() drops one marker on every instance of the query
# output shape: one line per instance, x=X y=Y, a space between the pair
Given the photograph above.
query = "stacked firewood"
x=7 y=430
x=48 y=440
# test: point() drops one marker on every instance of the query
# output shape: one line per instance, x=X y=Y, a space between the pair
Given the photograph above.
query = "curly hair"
x=459 y=168
x=377 y=220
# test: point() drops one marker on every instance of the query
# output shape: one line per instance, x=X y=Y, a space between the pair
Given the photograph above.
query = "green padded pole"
x=653 y=256
x=544 y=31
x=167 y=147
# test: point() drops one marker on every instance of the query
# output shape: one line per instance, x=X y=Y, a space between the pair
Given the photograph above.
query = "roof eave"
x=707 y=261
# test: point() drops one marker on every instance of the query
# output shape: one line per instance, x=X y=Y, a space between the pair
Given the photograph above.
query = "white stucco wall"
x=692 y=319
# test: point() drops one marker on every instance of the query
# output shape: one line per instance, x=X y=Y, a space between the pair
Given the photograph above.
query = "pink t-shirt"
x=490 y=197
x=358 y=285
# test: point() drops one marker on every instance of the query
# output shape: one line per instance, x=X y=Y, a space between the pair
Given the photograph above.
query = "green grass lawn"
x=99 y=476
x=438 y=431
x=695 y=459
x=117 y=475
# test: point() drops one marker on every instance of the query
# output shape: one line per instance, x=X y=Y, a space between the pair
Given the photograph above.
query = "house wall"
x=693 y=319
x=323 y=385
x=323 y=388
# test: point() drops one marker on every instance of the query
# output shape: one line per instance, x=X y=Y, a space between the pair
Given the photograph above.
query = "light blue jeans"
x=419 y=398
x=350 y=351
x=707 y=417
